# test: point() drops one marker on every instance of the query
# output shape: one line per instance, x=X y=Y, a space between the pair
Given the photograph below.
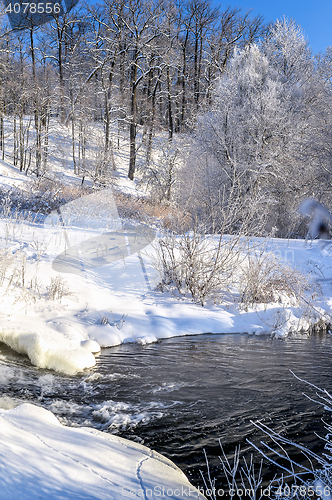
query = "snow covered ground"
x=40 y=458
x=51 y=315
x=83 y=280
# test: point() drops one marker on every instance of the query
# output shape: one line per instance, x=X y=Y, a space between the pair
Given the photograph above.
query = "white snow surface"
x=40 y=458
x=116 y=301
x=81 y=281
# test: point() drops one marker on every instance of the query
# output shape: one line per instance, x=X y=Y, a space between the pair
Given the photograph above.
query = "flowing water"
x=180 y=396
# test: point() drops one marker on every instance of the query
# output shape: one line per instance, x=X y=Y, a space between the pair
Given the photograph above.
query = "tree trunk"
x=151 y=127
x=15 y=140
x=169 y=102
x=36 y=115
x=61 y=76
x=183 y=82
x=73 y=139
x=132 y=128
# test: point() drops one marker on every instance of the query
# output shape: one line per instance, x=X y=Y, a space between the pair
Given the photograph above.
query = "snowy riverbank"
x=40 y=458
x=82 y=279
x=58 y=319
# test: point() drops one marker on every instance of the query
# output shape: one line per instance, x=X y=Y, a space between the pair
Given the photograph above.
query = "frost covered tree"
x=288 y=51
x=309 y=173
x=257 y=136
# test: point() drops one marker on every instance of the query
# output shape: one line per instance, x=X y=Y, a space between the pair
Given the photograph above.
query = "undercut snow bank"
x=50 y=349
x=40 y=458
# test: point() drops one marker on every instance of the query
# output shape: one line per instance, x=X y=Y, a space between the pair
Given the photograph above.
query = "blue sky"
x=315 y=17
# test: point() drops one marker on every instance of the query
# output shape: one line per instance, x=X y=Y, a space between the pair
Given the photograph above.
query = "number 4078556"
x=297 y=491
x=33 y=8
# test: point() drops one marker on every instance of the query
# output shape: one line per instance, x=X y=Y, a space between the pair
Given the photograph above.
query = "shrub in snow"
x=197 y=266
x=58 y=288
x=265 y=277
x=202 y=268
x=40 y=196
x=143 y=209
x=16 y=280
x=104 y=320
x=45 y=195
x=160 y=176
x=6 y=260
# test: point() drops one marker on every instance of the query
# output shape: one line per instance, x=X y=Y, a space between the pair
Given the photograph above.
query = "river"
x=180 y=396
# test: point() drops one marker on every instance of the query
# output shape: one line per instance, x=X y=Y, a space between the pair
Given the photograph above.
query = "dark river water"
x=182 y=395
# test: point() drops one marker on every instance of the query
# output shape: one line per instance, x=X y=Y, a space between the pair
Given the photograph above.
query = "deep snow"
x=40 y=458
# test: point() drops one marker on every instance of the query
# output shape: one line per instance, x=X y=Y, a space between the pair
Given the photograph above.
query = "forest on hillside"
x=224 y=117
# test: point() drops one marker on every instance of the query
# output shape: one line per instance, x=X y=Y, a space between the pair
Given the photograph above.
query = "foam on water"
x=46 y=383
x=6 y=374
x=7 y=403
x=170 y=387
x=66 y=411
x=118 y=416
x=96 y=376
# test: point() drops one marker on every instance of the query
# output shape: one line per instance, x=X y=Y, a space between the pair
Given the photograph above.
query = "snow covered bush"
x=217 y=268
x=240 y=476
x=198 y=266
x=58 y=288
x=6 y=260
x=39 y=196
x=144 y=209
x=100 y=166
x=313 y=477
x=17 y=284
x=44 y=195
x=265 y=277
x=160 y=175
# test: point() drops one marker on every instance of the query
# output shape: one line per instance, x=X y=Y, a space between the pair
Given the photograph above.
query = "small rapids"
x=180 y=396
